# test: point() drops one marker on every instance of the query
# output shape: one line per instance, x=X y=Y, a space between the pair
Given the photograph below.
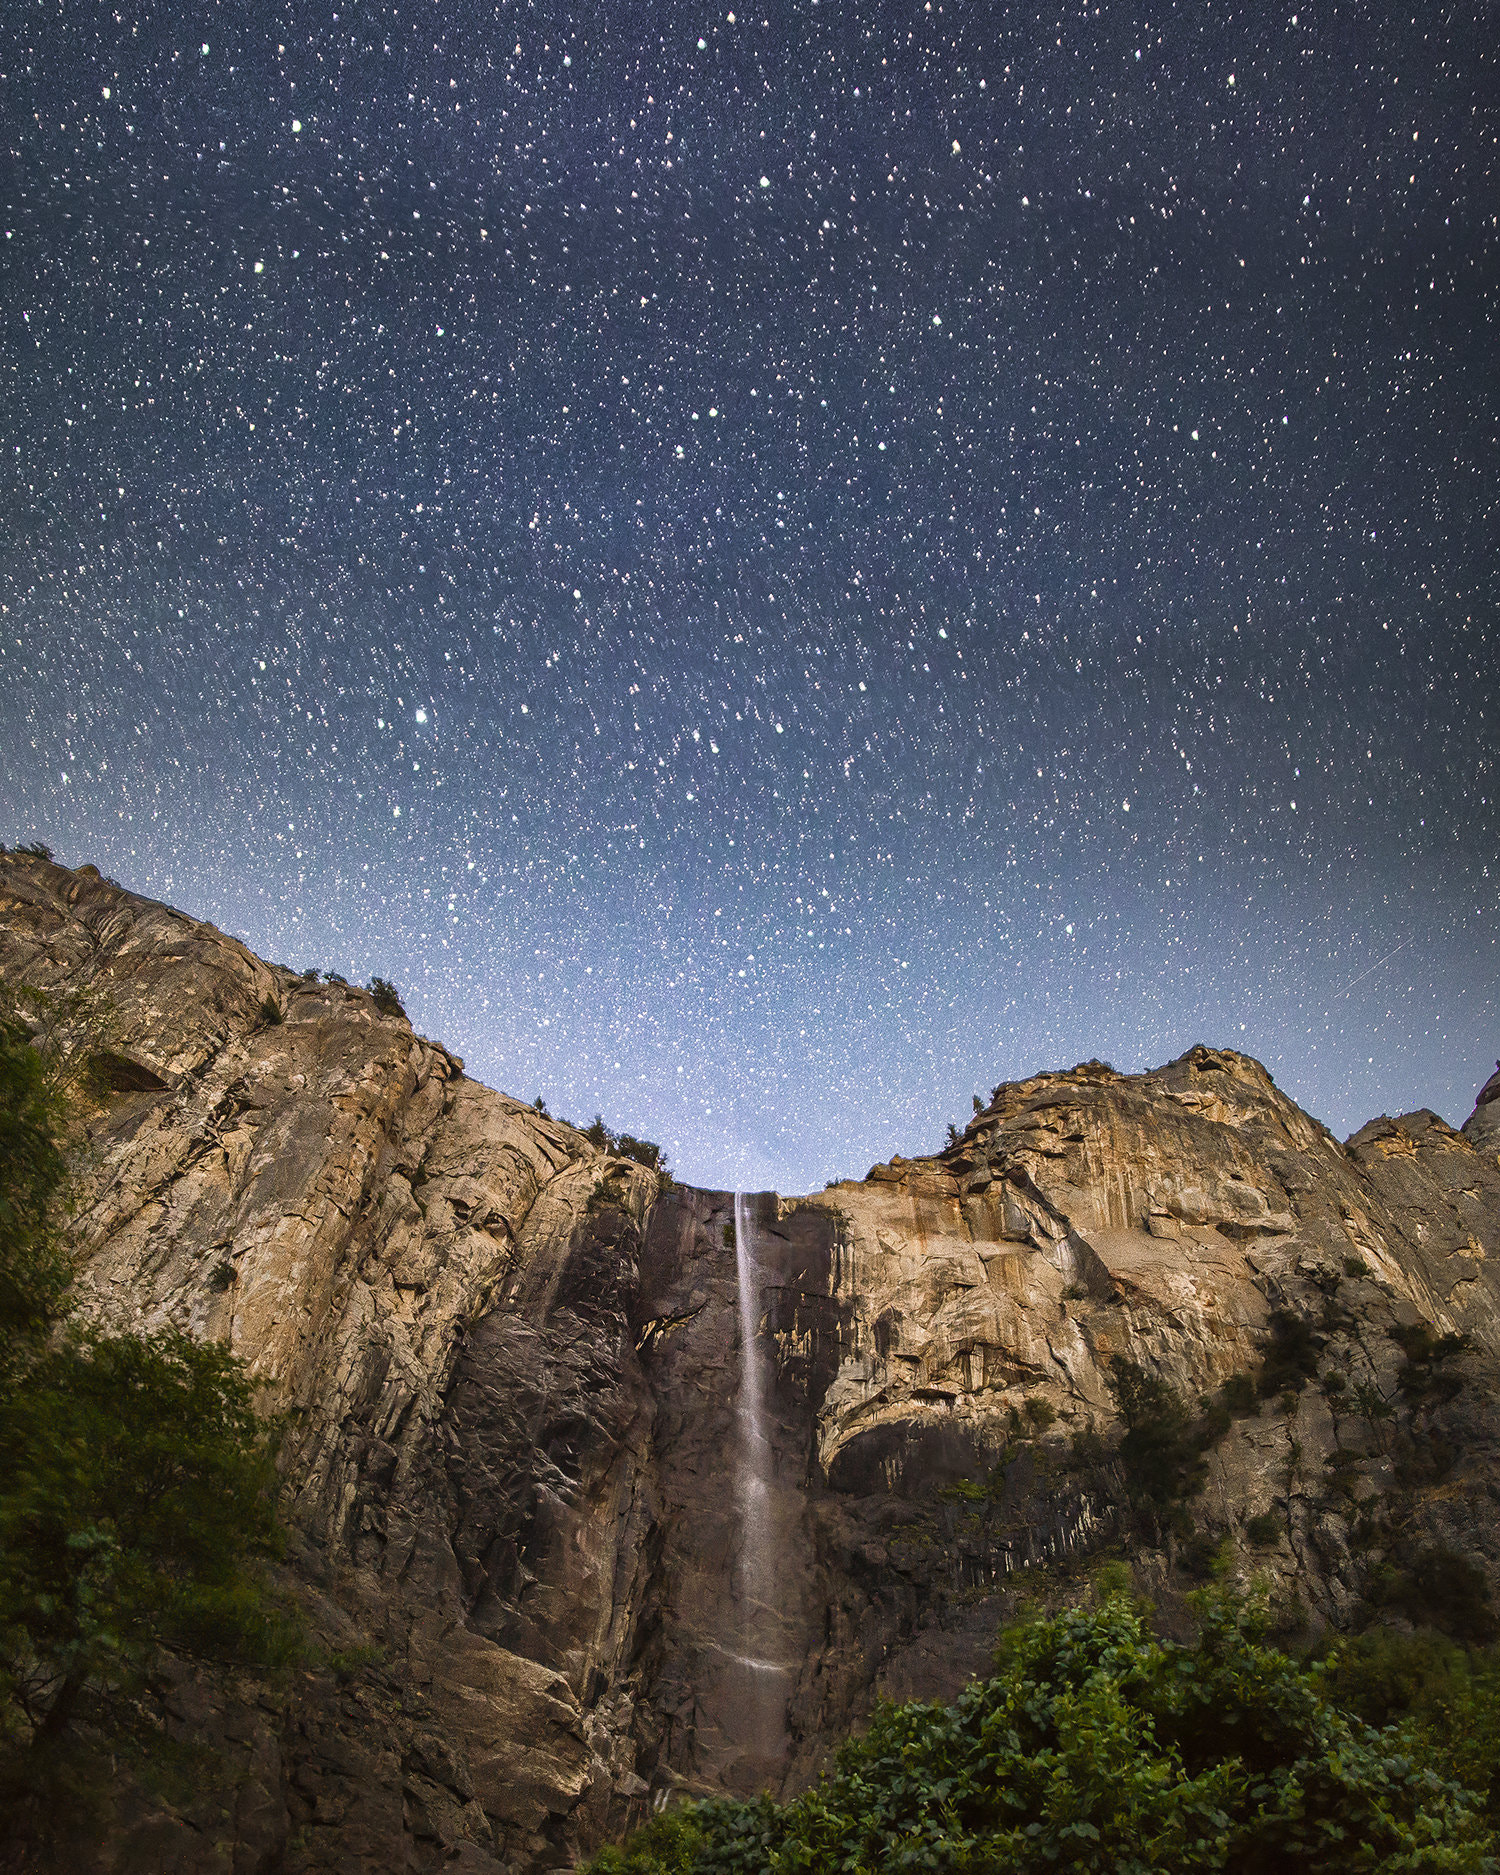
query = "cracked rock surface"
x=510 y=1370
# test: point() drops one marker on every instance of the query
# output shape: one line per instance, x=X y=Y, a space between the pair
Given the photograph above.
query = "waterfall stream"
x=756 y=1559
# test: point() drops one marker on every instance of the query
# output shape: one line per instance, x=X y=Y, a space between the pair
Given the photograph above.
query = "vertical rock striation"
x=510 y=1370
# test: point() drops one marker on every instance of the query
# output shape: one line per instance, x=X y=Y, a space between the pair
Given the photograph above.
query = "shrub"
x=270 y=1012
x=1161 y=1459
x=644 y=1152
x=138 y=1485
x=137 y=1489
x=1240 y=1395
x=1097 y=1748
x=1372 y=1402
x=34 y=1273
x=604 y=1194
x=1290 y=1354
x=36 y=849
x=1443 y=1697
x=1264 y=1531
x=1040 y=1413
x=1436 y=1587
x=387 y=998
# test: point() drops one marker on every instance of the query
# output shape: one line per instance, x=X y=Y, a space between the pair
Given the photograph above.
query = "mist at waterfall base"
x=772 y=573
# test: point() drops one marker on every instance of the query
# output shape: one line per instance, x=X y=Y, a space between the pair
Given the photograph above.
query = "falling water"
x=756 y=1571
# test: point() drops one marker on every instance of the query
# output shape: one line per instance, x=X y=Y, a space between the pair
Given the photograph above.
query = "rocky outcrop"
x=509 y=1372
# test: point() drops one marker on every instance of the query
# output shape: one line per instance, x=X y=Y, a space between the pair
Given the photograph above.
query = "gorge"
x=603 y=1488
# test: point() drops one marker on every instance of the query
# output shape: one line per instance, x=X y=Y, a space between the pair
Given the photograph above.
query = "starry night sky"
x=775 y=568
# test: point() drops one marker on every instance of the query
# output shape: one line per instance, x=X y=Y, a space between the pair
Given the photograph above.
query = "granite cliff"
x=510 y=1369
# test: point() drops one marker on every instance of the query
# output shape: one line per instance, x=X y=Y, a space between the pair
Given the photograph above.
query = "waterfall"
x=761 y=1616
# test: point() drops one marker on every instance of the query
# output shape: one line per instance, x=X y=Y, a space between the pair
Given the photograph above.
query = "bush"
x=387 y=998
x=1444 y=1697
x=1096 y=1748
x=137 y=1489
x=644 y=1152
x=34 y=1274
x=1290 y=1356
x=1161 y=1458
x=1436 y=1587
x=1040 y=1413
x=1240 y=1395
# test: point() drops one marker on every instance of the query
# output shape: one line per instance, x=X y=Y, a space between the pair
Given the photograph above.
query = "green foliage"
x=1160 y=1452
x=1204 y=1557
x=1356 y=1266
x=387 y=997
x=36 y=849
x=1264 y=1531
x=1039 y=1413
x=270 y=1012
x=604 y=1194
x=668 y=1845
x=1444 y=1697
x=1435 y=1586
x=1290 y=1357
x=137 y=1487
x=1372 y=1402
x=34 y=1273
x=1418 y=1343
x=1425 y=1380
x=1096 y=1748
x=1383 y=1676
x=1240 y=1396
x=644 y=1152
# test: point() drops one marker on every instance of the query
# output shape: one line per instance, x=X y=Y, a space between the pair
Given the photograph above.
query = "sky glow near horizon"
x=775 y=569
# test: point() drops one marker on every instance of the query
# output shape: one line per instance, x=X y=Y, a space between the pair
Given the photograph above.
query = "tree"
x=387 y=997
x=137 y=1488
x=644 y=1152
x=34 y=1274
x=1098 y=1749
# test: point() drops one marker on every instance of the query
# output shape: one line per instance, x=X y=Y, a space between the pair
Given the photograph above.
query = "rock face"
x=511 y=1373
